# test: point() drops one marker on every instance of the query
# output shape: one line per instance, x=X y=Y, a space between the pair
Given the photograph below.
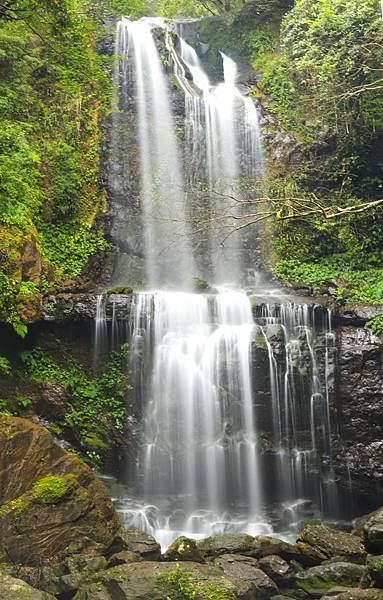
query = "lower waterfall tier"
x=236 y=413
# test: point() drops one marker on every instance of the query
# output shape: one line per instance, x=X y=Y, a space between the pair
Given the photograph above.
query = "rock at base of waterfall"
x=266 y=546
x=184 y=548
x=226 y=543
x=324 y=543
x=141 y=544
x=375 y=569
x=249 y=579
x=316 y=581
x=354 y=594
x=277 y=569
x=16 y=589
x=371 y=527
x=155 y=580
x=52 y=504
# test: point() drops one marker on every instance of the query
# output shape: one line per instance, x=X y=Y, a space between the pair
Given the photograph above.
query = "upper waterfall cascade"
x=190 y=170
x=234 y=399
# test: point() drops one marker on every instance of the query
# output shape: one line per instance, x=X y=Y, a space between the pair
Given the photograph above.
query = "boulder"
x=52 y=506
x=122 y=558
x=16 y=589
x=373 y=531
x=184 y=548
x=316 y=581
x=226 y=543
x=243 y=571
x=66 y=577
x=375 y=569
x=277 y=569
x=269 y=546
x=324 y=543
x=52 y=399
x=354 y=594
x=139 y=543
x=157 y=580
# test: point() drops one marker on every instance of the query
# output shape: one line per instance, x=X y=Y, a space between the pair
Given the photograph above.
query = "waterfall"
x=236 y=414
x=168 y=252
x=223 y=144
x=187 y=231
x=234 y=401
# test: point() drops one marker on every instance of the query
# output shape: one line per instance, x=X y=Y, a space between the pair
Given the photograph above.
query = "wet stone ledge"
x=83 y=307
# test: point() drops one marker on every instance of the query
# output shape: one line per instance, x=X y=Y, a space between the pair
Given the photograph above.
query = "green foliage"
x=376 y=325
x=22 y=401
x=5 y=366
x=96 y=404
x=70 y=249
x=363 y=285
x=325 y=87
x=54 y=88
x=177 y=586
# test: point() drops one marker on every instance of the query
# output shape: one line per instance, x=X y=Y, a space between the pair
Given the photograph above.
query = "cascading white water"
x=168 y=253
x=201 y=459
x=235 y=409
x=199 y=452
x=223 y=144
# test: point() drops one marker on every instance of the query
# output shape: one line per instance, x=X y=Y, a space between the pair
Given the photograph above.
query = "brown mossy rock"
x=318 y=580
x=244 y=572
x=371 y=527
x=323 y=543
x=226 y=543
x=269 y=546
x=52 y=399
x=375 y=569
x=16 y=589
x=277 y=569
x=51 y=504
x=136 y=541
x=123 y=558
x=66 y=577
x=150 y=580
x=354 y=594
x=183 y=549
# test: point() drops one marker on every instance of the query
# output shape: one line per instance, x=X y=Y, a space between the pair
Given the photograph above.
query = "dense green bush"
x=95 y=402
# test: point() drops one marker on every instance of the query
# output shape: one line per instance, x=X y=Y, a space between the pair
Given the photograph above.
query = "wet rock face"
x=83 y=307
x=51 y=503
x=360 y=402
x=316 y=581
x=146 y=580
x=372 y=529
x=16 y=589
x=327 y=543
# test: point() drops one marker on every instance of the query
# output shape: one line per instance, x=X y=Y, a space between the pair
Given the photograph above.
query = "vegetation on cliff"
x=325 y=88
x=88 y=410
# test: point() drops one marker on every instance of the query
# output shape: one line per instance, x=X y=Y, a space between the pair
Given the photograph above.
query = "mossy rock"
x=354 y=594
x=372 y=528
x=199 y=285
x=324 y=543
x=316 y=581
x=16 y=589
x=184 y=548
x=225 y=543
x=153 y=580
x=52 y=504
x=121 y=291
x=375 y=569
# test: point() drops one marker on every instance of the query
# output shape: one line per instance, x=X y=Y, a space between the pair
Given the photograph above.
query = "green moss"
x=17 y=506
x=177 y=586
x=51 y=488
